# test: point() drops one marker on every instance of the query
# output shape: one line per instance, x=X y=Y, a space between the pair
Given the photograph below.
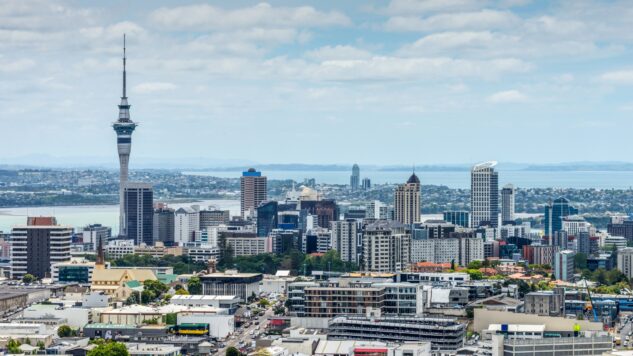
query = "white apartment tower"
x=386 y=247
x=344 y=239
x=186 y=223
x=484 y=195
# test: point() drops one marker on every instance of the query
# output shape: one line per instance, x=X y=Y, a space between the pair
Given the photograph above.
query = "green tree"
x=231 y=351
x=475 y=274
x=111 y=348
x=194 y=286
x=264 y=303
x=29 y=278
x=41 y=345
x=580 y=261
x=13 y=347
x=182 y=291
x=475 y=265
x=27 y=341
x=64 y=331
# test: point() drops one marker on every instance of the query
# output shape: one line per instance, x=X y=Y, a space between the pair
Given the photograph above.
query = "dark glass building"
x=460 y=218
x=164 y=224
x=554 y=214
x=325 y=210
x=266 y=218
x=139 y=212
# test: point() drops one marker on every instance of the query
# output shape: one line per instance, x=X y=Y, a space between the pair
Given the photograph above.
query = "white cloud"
x=427 y=6
x=508 y=96
x=207 y=17
x=481 y=20
x=153 y=87
x=620 y=77
x=20 y=65
x=338 y=52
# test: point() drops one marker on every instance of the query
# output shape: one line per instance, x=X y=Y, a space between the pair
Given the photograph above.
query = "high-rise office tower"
x=345 y=239
x=253 y=188
x=507 y=203
x=555 y=212
x=211 y=218
x=123 y=128
x=325 y=211
x=38 y=245
x=139 y=212
x=461 y=218
x=407 y=201
x=267 y=219
x=354 y=179
x=484 y=195
x=164 y=225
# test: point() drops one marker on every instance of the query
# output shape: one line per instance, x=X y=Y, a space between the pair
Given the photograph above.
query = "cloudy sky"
x=374 y=82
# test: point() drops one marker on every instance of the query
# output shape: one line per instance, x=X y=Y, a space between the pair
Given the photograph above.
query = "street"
x=242 y=337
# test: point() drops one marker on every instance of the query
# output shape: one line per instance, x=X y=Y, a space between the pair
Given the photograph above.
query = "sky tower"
x=123 y=128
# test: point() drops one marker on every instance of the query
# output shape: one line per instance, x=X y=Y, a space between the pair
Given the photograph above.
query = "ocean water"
x=460 y=179
x=107 y=215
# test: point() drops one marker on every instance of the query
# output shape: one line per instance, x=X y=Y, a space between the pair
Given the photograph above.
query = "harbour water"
x=460 y=179
x=78 y=216
x=107 y=215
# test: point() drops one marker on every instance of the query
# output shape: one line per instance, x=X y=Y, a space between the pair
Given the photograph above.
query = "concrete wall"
x=309 y=323
x=219 y=325
x=77 y=317
x=484 y=317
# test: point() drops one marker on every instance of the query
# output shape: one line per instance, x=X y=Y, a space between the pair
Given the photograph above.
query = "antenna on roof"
x=124 y=65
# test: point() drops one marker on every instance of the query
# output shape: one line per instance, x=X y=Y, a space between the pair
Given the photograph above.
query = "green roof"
x=167 y=278
x=133 y=284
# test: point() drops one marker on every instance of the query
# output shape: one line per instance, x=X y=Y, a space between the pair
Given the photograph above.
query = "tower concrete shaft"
x=123 y=128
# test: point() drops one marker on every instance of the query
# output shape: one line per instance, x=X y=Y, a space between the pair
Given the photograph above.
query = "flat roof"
x=204 y=297
x=518 y=327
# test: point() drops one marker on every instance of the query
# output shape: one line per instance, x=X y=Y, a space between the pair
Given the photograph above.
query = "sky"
x=320 y=82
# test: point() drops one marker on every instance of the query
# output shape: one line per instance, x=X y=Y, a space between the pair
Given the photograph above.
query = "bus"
x=192 y=329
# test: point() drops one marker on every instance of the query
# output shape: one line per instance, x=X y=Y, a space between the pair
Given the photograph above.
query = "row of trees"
x=181 y=264
x=293 y=260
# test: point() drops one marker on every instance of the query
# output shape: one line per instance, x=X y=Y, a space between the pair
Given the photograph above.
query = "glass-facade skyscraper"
x=139 y=206
x=266 y=218
x=555 y=212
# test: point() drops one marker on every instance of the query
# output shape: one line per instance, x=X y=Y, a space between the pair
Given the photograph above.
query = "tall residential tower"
x=254 y=190
x=407 y=201
x=484 y=195
x=354 y=179
x=507 y=203
x=123 y=128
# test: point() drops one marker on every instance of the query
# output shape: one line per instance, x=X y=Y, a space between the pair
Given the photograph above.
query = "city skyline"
x=411 y=69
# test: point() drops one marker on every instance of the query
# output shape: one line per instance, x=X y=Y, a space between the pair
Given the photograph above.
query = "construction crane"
x=593 y=309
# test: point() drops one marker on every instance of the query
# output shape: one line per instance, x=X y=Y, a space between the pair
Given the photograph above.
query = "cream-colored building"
x=407 y=201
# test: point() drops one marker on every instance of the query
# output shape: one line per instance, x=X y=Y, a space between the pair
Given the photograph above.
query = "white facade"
x=202 y=253
x=77 y=317
x=58 y=242
x=220 y=325
x=575 y=224
x=625 y=261
x=386 y=247
x=470 y=249
x=247 y=246
x=186 y=222
x=484 y=195
x=564 y=265
x=435 y=250
x=345 y=239
x=119 y=248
